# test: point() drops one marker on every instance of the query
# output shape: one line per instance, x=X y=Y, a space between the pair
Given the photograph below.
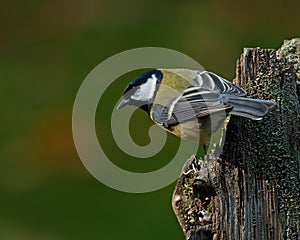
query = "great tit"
x=191 y=104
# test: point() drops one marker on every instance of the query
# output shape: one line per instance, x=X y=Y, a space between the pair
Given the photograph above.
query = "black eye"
x=129 y=87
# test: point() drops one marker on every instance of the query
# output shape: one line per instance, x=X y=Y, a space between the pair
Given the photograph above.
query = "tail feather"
x=255 y=109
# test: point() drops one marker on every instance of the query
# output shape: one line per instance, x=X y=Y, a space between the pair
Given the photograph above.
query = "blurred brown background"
x=47 y=48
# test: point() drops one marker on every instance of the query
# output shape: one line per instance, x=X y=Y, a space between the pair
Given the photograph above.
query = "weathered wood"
x=254 y=191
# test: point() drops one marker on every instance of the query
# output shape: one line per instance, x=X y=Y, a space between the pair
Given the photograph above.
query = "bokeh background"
x=46 y=50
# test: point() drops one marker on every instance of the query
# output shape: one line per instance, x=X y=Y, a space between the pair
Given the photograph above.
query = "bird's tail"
x=252 y=108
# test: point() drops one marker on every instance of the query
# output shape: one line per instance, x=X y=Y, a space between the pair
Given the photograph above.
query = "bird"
x=191 y=104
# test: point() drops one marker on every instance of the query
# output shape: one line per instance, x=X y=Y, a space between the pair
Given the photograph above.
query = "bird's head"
x=141 y=91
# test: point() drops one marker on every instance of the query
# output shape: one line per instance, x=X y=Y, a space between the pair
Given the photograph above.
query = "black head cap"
x=143 y=78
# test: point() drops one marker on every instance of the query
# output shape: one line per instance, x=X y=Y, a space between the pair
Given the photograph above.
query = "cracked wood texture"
x=253 y=192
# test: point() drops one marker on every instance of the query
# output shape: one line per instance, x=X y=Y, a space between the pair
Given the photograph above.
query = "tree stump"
x=253 y=191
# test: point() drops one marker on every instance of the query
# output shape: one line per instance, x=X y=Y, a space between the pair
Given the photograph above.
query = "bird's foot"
x=211 y=157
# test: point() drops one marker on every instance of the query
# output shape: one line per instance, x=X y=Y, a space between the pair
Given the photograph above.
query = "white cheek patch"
x=146 y=90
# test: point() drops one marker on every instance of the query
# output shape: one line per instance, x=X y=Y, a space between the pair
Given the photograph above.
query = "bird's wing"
x=213 y=82
x=194 y=102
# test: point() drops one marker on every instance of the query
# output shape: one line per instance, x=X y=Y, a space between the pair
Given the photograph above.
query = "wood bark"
x=253 y=190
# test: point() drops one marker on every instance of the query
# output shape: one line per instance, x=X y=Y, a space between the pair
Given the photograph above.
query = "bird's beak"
x=122 y=103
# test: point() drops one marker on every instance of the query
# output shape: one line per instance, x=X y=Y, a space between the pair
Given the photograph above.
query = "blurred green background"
x=47 y=48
